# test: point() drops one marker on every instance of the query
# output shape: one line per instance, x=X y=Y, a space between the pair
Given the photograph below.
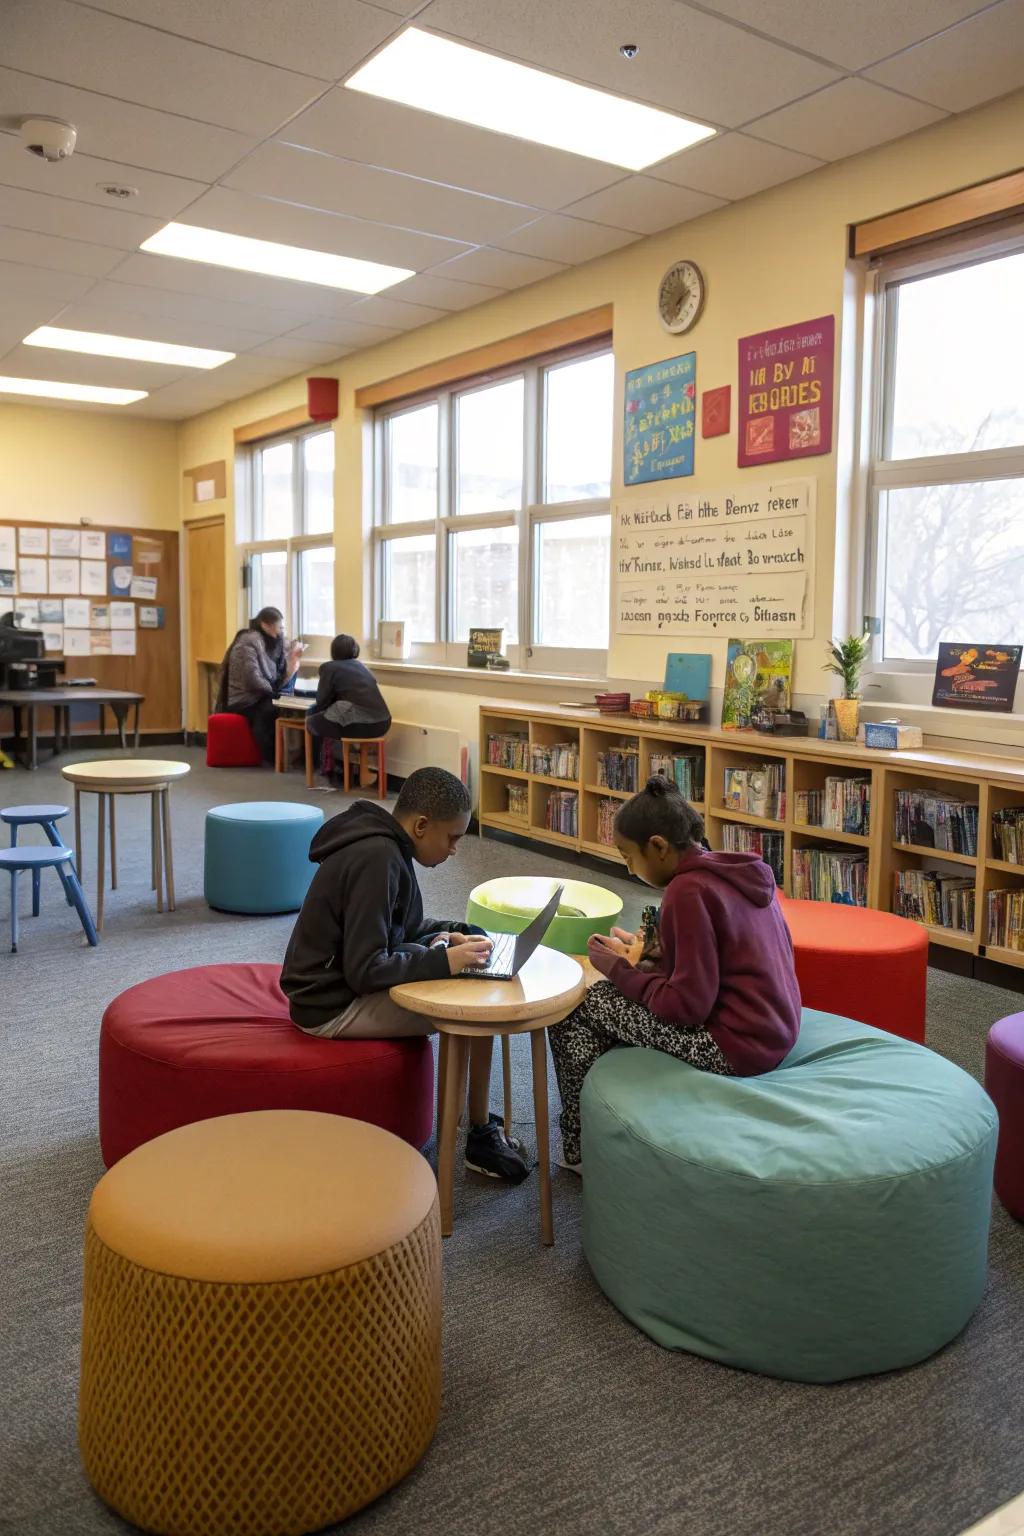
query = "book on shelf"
x=684 y=769
x=737 y=838
x=936 y=821
x=1004 y=918
x=843 y=805
x=561 y=761
x=837 y=875
x=1008 y=834
x=941 y=901
x=509 y=750
x=561 y=814
x=607 y=810
x=619 y=768
x=759 y=791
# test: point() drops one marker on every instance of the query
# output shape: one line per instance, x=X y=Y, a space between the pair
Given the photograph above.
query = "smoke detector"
x=49 y=138
x=117 y=190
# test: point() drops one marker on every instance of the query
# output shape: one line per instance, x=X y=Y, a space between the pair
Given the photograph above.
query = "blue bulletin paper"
x=688 y=674
x=119 y=547
x=660 y=411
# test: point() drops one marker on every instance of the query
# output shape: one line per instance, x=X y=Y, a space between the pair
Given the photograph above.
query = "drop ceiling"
x=232 y=114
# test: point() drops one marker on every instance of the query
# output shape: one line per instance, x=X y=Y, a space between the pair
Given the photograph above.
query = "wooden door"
x=207 y=640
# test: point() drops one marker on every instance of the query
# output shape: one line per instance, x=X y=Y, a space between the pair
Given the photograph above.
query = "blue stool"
x=45 y=816
x=257 y=855
x=36 y=860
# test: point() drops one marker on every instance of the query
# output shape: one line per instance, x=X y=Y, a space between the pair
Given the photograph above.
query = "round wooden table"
x=132 y=776
x=545 y=992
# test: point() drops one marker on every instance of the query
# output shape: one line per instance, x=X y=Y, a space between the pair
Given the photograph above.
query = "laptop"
x=512 y=950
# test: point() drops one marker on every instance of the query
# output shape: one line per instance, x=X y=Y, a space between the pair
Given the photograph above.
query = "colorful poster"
x=785 y=392
x=660 y=411
x=715 y=412
x=758 y=680
x=119 y=547
x=976 y=676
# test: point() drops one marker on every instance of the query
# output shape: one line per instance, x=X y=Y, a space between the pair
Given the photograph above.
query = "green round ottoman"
x=257 y=855
x=509 y=904
x=829 y=1219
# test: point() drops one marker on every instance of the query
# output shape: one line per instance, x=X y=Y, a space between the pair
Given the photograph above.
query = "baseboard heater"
x=412 y=746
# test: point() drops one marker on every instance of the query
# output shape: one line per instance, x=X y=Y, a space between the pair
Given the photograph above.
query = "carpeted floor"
x=558 y=1416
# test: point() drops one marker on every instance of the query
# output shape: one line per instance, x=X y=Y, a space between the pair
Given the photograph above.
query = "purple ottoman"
x=1004 y=1083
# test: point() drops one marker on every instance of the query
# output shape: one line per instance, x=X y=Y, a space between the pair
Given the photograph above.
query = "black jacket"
x=361 y=928
x=348 y=689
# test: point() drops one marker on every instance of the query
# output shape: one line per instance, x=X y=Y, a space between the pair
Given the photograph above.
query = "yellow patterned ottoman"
x=261 y=1343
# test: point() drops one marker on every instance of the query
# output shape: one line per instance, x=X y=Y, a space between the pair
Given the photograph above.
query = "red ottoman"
x=1004 y=1083
x=230 y=743
x=863 y=964
x=217 y=1040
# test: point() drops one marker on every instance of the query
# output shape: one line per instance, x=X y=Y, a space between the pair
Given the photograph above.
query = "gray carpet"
x=558 y=1414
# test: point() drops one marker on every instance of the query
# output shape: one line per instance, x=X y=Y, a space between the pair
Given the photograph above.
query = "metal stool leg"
x=14 y=911
x=53 y=833
x=77 y=898
x=36 y=873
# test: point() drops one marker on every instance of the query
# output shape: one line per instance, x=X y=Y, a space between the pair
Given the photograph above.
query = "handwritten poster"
x=660 y=411
x=785 y=395
x=739 y=560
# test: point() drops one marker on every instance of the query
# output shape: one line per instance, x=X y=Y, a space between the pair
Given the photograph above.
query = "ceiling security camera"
x=629 y=50
x=49 y=138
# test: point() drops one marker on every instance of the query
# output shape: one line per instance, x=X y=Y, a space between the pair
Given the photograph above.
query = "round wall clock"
x=681 y=297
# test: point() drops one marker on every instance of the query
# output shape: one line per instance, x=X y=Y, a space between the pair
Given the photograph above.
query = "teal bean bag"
x=256 y=857
x=827 y=1220
x=509 y=903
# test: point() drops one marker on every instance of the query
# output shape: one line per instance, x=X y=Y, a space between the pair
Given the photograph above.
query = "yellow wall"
x=58 y=466
x=771 y=260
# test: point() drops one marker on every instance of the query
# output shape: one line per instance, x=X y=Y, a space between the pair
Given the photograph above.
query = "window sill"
x=440 y=670
x=954 y=725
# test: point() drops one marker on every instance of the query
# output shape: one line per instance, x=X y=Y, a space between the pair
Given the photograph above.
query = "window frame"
x=526 y=654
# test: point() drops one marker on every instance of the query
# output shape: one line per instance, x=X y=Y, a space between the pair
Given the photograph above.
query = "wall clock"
x=681 y=297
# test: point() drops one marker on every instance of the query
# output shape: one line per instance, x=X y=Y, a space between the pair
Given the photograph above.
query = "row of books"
x=518 y=800
x=844 y=805
x=562 y=761
x=757 y=791
x=1004 y=918
x=1008 y=834
x=562 y=812
x=941 y=901
x=830 y=874
x=740 y=839
x=509 y=750
x=936 y=821
x=686 y=770
x=606 y=813
x=619 y=768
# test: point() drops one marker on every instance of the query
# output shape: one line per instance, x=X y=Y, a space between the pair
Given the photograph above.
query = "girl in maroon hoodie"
x=720 y=994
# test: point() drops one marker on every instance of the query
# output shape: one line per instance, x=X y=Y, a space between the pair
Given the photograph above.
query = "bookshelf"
x=991 y=783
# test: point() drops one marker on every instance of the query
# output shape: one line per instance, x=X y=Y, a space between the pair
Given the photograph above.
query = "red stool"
x=217 y=1040
x=863 y=964
x=230 y=743
x=1004 y=1084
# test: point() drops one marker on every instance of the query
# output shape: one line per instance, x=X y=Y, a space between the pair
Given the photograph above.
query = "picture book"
x=758 y=681
x=976 y=676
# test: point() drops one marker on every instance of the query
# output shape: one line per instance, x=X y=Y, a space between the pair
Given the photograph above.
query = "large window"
x=946 y=545
x=286 y=533
x=492 y=511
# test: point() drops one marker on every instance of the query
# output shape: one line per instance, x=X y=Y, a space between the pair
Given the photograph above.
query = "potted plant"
x=846 y=658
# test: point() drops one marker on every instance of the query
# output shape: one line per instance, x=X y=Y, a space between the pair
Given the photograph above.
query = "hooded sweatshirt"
x=726 y=961
x=361 y=928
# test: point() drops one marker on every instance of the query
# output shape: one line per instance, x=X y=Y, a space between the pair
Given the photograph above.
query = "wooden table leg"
x=165 y=796
x=309 y=758
x=113 y=844
x=158 y=863
x=120 y=713
x=33 y=733
x=442 y=1062
x=453 y=1097
x=138 y=712
x=101 y=856
x=539 y=1052
x=79 y=860
x=103 y=721
x=279 y=745
x=506 y=1077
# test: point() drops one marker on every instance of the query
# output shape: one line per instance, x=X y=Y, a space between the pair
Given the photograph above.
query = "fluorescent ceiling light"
x=292 y=261
x=452 y=80
x=53 y=389
x=134 y=347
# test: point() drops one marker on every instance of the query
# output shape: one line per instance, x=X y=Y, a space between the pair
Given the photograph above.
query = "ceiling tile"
x=642 y=204
x=32 y=282
x=302 y=354
x=79 y=368
x=849 y=35
x=174 y=402
x=560 y=239
x=316 y=180
x=249 y=372
x=733 y=166
x=498 y=269
x=277 y=293
x=689 y=62
x=122 y=132
x=384 y=310
x=844 y=119
x=974 y=62
x=265 y=219
x=441 y=293
x=402 y=139
x=325 y=38
x=88 y=48
x=90 y=315
x=397 y=7
x=344 y=333
x=81 y=177
x=61 y=255
x=136 y=299
x=77 y=221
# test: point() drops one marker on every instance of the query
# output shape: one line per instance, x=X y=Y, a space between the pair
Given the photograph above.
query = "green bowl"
x=511 y=902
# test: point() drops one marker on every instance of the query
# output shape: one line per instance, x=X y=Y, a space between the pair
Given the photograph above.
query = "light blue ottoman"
x=257 y=855
x=829 y=1219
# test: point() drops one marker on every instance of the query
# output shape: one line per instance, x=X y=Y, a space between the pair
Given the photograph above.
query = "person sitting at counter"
x=349 y=705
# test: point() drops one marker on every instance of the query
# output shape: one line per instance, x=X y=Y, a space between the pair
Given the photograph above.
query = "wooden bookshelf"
x=993 y=783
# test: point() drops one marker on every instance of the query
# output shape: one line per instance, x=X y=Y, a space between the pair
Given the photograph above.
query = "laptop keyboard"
x=501 y=957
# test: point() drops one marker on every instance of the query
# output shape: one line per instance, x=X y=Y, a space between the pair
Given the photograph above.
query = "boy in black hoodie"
x=361 y=930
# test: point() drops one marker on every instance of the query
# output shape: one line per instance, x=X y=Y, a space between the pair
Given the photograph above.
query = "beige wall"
x=771 y=260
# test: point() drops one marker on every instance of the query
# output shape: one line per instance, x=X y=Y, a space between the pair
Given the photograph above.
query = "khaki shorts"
x=373 y=1017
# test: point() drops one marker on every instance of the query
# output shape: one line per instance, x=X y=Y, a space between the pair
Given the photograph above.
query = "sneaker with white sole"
x=490 y=1152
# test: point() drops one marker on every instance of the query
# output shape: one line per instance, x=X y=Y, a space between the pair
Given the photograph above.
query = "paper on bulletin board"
x=8 y=549
x=119 y=547
x=94 y=578
x=32 y=576
x=53 y=637
x=8 y=581
x=51 y=610
x=99 y=615
x=76 y=642
x=26 y=611
x=76 y=613
x=65 y=543
x=144 y=587
x=122 y=642
x=122 y=615
x=101 y=642
x=32 y=541
x=94 y=544
x=146 y=553
x=738 y=560
x=120 y=580
x=64 y=577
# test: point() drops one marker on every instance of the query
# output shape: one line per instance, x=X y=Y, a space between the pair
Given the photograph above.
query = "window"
x=946 y=545
x=492 y=511
x=286 y=533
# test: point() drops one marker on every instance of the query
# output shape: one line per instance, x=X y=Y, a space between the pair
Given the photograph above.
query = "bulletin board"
x=60 y=569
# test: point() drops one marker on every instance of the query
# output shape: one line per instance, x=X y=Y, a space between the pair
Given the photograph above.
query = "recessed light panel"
x=100 y=345
x=453 y=80
x=52 y=389
x=219 y=249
